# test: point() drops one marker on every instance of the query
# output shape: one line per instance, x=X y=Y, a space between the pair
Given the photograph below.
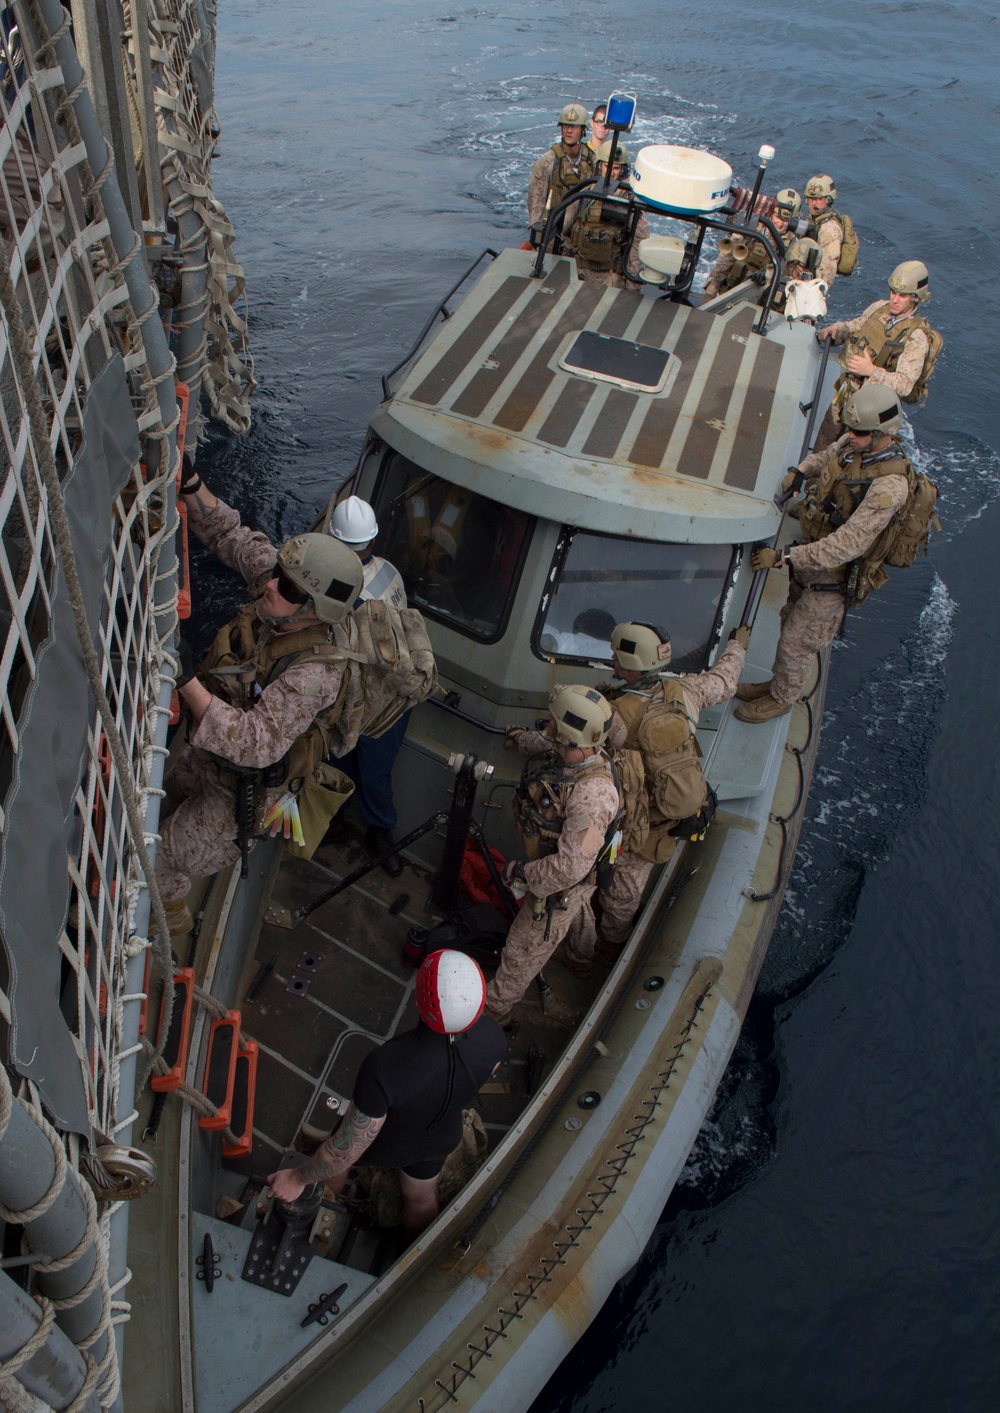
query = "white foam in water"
x=863 y=790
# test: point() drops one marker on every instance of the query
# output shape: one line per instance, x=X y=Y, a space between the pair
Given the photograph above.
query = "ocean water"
x=833 y=1244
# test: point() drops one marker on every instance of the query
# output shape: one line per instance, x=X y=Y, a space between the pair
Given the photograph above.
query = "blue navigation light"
x=621 y=111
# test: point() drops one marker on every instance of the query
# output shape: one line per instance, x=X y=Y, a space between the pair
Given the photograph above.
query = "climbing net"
x=211 y=298
x=66 y=314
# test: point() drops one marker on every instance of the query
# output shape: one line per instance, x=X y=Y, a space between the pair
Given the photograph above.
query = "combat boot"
x=752 y=691
x=763 y=709
x=179 y=919
x=579 y=966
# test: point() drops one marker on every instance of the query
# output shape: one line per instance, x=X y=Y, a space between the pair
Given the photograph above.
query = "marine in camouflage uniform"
x=620 y=902
x=728 y=272
x=558 y=170
x=826 y=225
x=199 y=837
x=597 y=234
x=819 y=569
x=887 y=344
x=562 y=881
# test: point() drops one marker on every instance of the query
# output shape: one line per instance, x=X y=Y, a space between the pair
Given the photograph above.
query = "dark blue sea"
x=834 y=1244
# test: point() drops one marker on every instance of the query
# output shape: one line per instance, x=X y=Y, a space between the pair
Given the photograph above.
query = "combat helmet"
x=604 y=153
x=804 y=251
x=821 y=185
x=788 y=203
x=911 y=277
x=640 y=647
x=575 y=114
x=873 y=408
x=326 y=570
x=582 y=716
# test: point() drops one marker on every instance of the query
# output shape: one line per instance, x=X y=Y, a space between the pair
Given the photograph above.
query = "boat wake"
x=879 y=727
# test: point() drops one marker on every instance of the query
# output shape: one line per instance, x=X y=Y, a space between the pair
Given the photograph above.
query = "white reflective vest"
x=382 y=581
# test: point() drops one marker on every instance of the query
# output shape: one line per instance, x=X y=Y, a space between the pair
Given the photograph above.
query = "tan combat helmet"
x=805 y=252
x=604 y=153
x=574 y=114
x=873 y=408
x=326 y=570
x=639 y=647
x=821 y=185
x=582 y=716
x=911 y=277
x=788 y=203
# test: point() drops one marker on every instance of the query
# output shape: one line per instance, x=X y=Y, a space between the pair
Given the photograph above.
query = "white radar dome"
x=681 y=180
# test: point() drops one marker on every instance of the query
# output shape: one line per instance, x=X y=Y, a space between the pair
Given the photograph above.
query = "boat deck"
x=319 y=997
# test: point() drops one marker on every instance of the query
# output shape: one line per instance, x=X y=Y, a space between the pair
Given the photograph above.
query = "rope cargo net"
x=212 y=295
x=65 y=314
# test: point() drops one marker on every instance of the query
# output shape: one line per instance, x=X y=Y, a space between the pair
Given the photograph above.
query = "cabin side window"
x=601 y=580
x=459 y=554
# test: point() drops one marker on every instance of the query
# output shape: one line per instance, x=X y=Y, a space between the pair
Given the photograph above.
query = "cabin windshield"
x=602 y=580
x=459 y=553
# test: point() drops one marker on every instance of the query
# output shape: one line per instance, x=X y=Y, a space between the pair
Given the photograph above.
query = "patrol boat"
x=531 y=490
x=552 y=457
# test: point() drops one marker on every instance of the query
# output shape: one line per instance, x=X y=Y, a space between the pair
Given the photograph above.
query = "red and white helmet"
x=451 y=992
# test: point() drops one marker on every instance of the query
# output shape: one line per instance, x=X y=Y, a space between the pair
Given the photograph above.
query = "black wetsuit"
x=421 y=1081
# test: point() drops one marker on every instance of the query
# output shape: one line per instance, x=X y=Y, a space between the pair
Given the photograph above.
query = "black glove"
x=513 y=872
x=185 y=663
x=759 y=277
x=190 y=480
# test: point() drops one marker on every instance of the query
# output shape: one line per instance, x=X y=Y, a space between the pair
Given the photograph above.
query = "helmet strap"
x=308 y=608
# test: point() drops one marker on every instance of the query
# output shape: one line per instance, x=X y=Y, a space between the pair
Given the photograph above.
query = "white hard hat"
x=353 y=521
x=451 y=992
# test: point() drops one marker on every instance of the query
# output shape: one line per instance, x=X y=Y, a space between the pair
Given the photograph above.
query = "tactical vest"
x=566 y=174
x=884 y=344
x=248 y=645
x=681 y=802
x=541 y=800
x=841 y=488
x=598 y=235
x=850 y=245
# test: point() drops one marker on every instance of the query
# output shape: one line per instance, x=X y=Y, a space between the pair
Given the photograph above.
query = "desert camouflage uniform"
x=565 y=876
x=901 y=378
x=199 y=838
x=828 y=232
x=721 y=277
x=811 y=618
x=542 y=174
x=620 y=903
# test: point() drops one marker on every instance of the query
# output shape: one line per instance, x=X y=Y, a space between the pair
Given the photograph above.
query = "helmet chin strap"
x=302 y=611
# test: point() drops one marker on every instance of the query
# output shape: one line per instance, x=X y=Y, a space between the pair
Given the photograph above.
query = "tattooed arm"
x=330 y=1162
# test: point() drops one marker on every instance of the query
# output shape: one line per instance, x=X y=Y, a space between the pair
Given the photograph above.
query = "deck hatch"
x=636 y=366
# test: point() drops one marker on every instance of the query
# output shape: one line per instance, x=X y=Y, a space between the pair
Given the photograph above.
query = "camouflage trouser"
x=809 y=622
x=527 y=949
x=199 y=838
x=620 y=903
x=611 y=279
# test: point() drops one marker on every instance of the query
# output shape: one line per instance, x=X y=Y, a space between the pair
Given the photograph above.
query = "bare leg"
x=420 y=1204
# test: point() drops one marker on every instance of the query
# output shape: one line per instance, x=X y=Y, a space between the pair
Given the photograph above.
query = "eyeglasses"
x=289 y=591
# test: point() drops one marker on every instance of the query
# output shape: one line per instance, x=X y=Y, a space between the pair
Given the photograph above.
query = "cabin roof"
x=488 y=404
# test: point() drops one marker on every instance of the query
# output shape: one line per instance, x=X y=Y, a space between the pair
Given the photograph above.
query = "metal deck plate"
x=243 y=1335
